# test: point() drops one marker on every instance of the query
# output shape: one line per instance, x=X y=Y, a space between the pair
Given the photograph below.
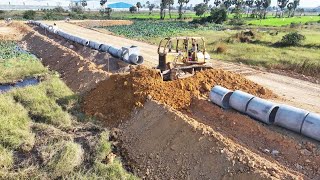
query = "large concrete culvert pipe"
x=311 y=126
x=220 y=96
x=262 y=110
x=239 y=100
x=290 y=117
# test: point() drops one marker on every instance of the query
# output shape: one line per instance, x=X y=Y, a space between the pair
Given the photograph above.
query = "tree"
x=170 y=3
x=181 y=2
x=265 y=5
x=139 y=5
x=200 y=9
x=249 y=4
x=258 y=4
x=84 y=3
x=217 y=2
x=151 y=6
x=227 y=4
x=133 y=9
x=290 y=8
x=206 y=1
x=103 y=2
x=282 y=4
x=296 y=3
x=217 y=15
x=163 y=5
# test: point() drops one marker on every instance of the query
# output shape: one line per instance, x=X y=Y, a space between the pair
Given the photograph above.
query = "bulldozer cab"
x=181 y=51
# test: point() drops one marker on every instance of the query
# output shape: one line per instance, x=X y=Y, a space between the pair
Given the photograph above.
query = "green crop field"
x=271 y=21
x=148 y=29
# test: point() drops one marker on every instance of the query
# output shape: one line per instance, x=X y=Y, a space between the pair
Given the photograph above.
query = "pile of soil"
x=162 y=143
x=114 y=99
x=101 y=23
x=78 y=73
x=287 y=148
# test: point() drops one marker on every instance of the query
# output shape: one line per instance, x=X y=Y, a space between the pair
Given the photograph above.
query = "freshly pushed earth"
x=292 y=91
x=162 y=143
x=115 y=98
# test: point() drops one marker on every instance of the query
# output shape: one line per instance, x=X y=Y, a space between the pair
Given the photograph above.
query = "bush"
x=59 y=9
x=133 y=9
x=200 y=9
x=2 y=11
x=292 y=39
x=30 y=14
x=217 y=16
x=237 y=22
x=222 y=48
x=76 y=9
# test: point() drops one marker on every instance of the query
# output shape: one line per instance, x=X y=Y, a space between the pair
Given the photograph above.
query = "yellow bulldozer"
x=181 y=57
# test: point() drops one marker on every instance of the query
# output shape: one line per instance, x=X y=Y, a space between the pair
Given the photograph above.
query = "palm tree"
x=138 y=6
x=217 y=2
x=249 y=3
x=181 y=2
x=282 y=4
x=265 y=4
x=296 y=3
x=258 y=4
x=170 y=3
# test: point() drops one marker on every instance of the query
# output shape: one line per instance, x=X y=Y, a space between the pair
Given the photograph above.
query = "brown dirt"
x=11 y=32
x=296 y=152
x=114 y=99
x=162 y=143
x=78 y=73
x=95 y=23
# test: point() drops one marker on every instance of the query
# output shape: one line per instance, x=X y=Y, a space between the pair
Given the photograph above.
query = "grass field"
x=272 y=21
x=39 y=137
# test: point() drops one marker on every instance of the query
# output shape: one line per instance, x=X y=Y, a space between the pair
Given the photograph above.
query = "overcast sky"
x=303 y=3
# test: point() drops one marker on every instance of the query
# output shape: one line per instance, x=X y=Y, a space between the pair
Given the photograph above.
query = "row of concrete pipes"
x=129 y=55
x=292 y=118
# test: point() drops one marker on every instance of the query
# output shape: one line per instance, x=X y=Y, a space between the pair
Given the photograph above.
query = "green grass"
x=15 y=65
x=6 y=158
x=65 y=160
x=38 y=128
x=41 y=107
x=272 y=21
x=14 y=125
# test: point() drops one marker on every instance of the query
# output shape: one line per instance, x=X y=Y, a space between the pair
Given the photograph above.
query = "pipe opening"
x=99 y=48
x=273 y=114
x=225 y=100
x=87 y=43
x=140 y=60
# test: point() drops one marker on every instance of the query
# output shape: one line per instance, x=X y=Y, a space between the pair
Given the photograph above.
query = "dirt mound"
x=98 y=23
x=273 y=143
x=78 y=73
x=162 y=143
x=114 y=99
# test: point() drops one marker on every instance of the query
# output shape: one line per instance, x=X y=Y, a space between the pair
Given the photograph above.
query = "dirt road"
x=292 y=91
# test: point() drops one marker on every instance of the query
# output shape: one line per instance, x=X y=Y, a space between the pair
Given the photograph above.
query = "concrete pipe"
x=290 y=117
x=44 y=26
x=239 y=100
x=262 y=110
x=220 y=96
x=311 y=126
x=53 y=29
x=79 y=40
x=95 y=45
x=63 y=34
x=104 y=48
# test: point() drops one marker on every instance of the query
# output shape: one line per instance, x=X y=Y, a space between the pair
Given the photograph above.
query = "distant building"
x=120 y=5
